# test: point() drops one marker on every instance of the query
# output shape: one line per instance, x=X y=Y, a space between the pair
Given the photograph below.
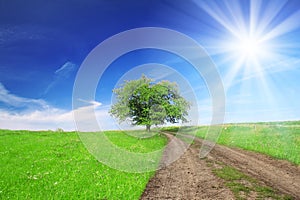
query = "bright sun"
x=248 y=47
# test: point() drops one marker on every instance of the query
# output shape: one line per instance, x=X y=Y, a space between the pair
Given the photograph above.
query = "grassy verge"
x=52 y=165
x=243 y=186
x=280 y=140
x=277 y=141
x=140 y=141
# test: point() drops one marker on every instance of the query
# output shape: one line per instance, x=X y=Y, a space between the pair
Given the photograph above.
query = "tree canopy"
x=144 y=102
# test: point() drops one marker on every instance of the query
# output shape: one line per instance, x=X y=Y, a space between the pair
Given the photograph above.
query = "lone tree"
x=146 y=103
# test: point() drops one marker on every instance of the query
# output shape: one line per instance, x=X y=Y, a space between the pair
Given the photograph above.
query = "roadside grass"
x=243 y=186
x=280 y=140
x=141 y=141
x=56 y=165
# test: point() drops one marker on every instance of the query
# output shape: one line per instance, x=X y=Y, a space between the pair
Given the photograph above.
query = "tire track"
x=186 y=178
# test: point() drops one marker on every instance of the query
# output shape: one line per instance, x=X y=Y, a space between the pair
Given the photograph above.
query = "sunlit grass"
x=277 y=141
x=52 y=165
x=141 y=141
x=280 y=140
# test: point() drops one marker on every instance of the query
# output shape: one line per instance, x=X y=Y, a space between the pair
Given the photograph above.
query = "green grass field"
x=52 y=165
x=280 y=140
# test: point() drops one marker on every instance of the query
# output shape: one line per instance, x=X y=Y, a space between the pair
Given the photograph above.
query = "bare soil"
x=190 y=177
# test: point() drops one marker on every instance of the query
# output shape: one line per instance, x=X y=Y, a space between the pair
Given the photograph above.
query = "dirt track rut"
x=186 y=178
x=278 y=174
x=190 y=177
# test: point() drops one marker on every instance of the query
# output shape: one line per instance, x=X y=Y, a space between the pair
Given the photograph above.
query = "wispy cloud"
x=91 y=102
x=10 y=34
x=65 y=69
x=20 y=102
x=61 y=74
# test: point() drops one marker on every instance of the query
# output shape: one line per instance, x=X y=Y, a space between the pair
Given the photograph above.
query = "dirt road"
x=192 y=178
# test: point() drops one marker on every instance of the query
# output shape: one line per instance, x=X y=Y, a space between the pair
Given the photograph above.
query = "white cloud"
x=53 y=118
x=39 y=115
x=37 y=120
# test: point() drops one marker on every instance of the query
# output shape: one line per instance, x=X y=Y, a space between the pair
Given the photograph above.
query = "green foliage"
x=146 y=103
x=51 y=165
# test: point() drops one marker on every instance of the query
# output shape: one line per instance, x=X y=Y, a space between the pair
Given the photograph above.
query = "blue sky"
x=255 y=46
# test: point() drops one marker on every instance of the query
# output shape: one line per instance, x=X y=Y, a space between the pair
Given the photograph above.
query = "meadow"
x=56 y=165
x=280 y=140
x=52 y=165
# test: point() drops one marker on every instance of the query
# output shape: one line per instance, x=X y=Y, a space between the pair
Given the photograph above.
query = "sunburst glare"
x=250 y=49
x=254 y=43
x=250 y=39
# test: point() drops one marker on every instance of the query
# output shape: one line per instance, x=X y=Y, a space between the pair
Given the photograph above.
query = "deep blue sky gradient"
x=38 y=38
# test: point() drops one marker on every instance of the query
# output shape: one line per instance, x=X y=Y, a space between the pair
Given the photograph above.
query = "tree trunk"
x=148 y=128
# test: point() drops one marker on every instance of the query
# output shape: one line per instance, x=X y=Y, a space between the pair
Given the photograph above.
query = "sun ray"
x=214 y=10
x=232 y=73
x=236 y=12
x=261 y=16
x=253 y=40
x=253 y=47
x=289 y=24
